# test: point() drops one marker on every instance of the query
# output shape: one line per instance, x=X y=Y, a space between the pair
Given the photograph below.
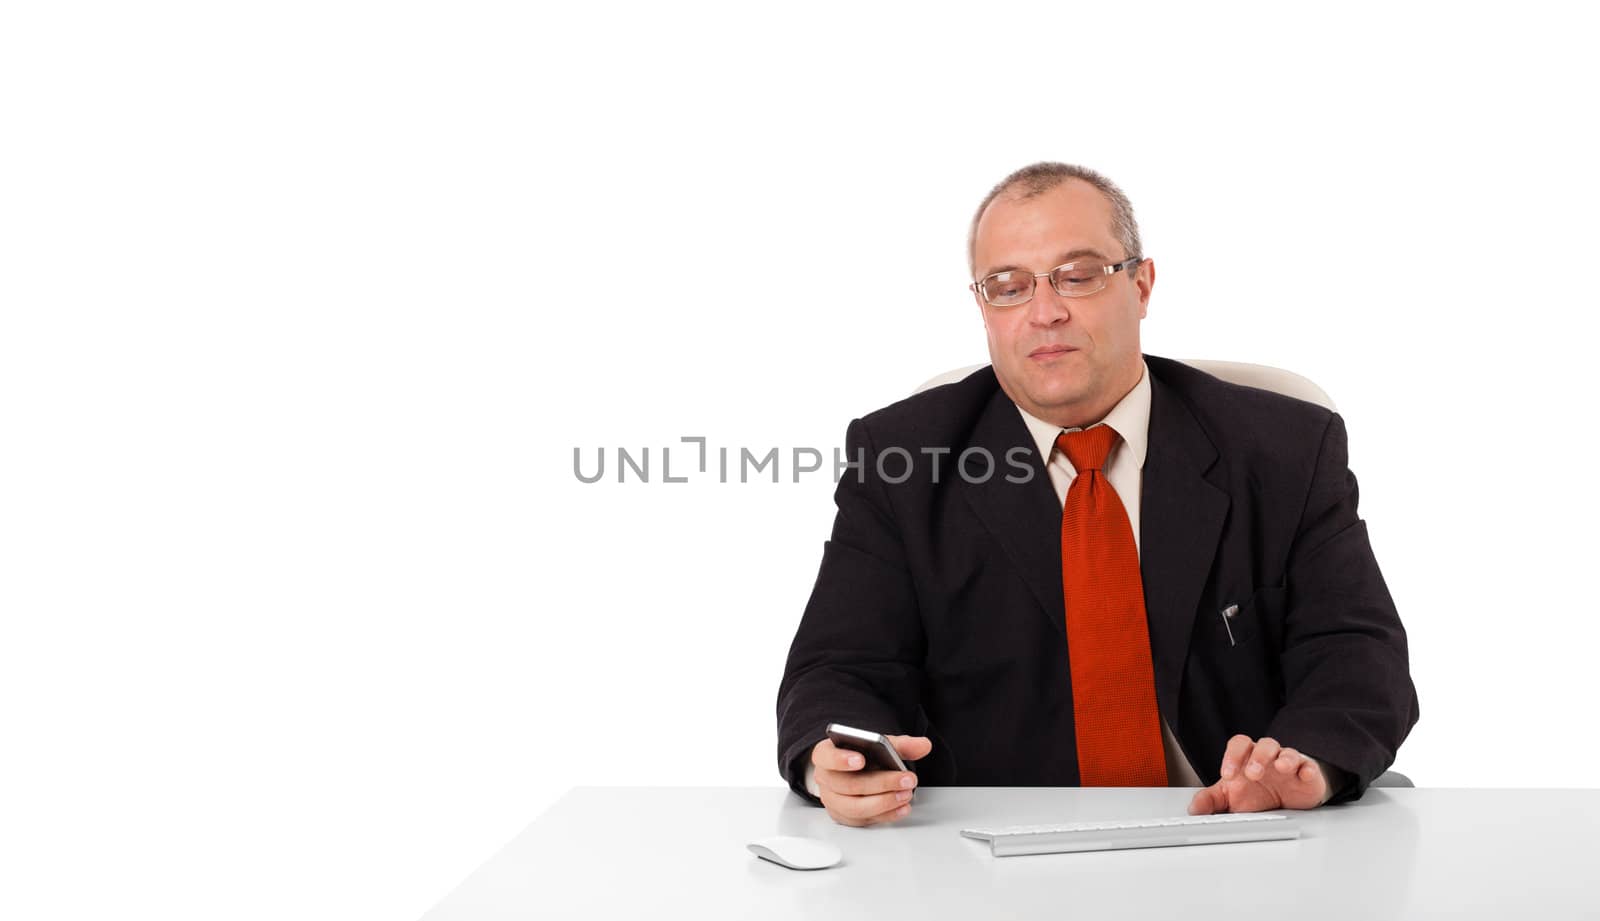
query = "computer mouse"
x=796 y=853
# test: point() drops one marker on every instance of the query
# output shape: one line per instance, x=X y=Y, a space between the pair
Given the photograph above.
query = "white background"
x=306 y=306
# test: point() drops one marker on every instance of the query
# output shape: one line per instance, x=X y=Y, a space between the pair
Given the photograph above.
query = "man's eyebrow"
x=1064 y=258
x=1080 y=253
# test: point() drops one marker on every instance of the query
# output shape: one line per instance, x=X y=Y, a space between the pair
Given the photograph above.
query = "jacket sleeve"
x=858 y=652
x=1348 y=695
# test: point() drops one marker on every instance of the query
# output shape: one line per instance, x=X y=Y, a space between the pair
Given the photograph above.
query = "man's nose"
x=1046 y=307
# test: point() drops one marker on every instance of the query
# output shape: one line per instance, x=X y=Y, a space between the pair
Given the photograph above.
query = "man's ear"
x=1144 y=278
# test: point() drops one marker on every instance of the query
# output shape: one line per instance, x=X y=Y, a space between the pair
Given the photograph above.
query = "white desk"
x=631 y=852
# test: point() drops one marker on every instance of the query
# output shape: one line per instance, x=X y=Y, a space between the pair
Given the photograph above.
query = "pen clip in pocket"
x=1228 y=614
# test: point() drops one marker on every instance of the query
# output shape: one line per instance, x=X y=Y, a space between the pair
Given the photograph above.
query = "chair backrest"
x=1265 y=377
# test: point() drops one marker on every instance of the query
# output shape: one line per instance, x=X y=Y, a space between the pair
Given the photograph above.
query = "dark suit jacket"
x=938 y=608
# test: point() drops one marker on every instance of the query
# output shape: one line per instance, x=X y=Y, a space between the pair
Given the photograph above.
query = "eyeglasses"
x=1075 y=279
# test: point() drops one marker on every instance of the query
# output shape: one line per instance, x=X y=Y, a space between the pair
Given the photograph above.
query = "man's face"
x=1067 y=360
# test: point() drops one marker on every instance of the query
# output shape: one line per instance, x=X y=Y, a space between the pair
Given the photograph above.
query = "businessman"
x=1083 y=565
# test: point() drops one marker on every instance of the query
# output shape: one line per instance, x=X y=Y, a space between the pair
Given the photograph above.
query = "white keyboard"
x=1012 y=840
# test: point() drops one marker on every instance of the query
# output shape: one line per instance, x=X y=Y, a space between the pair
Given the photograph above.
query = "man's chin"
x=1051 y=404
x=1043 y=393
x=1056 y=393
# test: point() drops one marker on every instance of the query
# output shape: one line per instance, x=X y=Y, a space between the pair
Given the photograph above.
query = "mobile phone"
x=873 y=746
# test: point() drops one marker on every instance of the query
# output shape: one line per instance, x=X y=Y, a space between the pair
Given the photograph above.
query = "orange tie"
x=1108 y=641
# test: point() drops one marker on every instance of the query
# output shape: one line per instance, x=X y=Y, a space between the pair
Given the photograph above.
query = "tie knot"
x=1087 y=449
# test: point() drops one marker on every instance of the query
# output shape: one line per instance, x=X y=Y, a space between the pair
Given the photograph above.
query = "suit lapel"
x=1024 y=518
x=1180 y=521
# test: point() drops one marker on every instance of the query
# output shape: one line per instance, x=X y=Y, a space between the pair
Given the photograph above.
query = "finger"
x=1209 y=800
x=1288 y=762
x=1233 y=759
x=865 y=810
x=893 y=815
x=1239 y=790
x=1246 y=793
x=867 y=783
x=830 y=756
x=1261 y=756
x=911 y=748
x=1311 y=776
x=898 y=811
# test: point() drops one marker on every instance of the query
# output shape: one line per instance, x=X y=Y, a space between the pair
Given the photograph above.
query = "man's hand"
x=1257 y=776
x=858 y=797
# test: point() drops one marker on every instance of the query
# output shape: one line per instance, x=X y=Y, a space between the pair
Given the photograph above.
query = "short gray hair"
x=1038 y=178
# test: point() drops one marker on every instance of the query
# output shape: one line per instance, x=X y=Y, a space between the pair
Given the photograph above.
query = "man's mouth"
x=1050 y=351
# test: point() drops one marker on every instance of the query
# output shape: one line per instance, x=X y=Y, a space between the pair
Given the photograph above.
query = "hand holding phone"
x=879 y=787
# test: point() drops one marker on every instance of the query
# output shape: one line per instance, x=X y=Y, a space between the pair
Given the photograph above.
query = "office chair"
x=1276 y=380
x=1265 y=377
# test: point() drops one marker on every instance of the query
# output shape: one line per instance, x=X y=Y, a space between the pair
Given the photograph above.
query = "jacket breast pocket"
x=1241 y=623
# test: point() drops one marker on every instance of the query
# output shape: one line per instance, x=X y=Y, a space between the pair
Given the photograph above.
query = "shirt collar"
x=1130 y=417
